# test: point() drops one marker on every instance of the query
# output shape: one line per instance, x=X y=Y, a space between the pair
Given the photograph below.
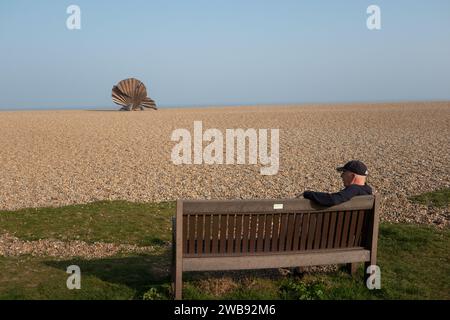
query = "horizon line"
x=220 y=105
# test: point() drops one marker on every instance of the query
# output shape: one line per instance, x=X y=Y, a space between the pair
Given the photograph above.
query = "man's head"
x=353 y=172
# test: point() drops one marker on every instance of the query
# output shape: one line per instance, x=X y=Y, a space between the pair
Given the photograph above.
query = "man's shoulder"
x=359 y=190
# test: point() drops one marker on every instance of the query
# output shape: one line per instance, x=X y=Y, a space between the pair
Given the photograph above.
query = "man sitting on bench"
x=353 y=176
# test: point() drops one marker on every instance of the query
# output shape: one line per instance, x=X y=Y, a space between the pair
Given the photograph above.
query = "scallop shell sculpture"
x=131 y=94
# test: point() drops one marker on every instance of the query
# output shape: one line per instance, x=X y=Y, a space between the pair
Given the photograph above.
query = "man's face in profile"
x=347 y=177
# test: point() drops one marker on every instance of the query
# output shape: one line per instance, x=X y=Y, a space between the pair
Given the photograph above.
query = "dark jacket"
x=331 y=199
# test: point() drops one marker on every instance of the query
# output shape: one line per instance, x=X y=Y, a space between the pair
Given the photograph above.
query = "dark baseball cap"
x=355 y=166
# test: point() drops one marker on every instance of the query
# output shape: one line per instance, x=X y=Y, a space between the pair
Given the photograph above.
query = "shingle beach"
x=56 y=158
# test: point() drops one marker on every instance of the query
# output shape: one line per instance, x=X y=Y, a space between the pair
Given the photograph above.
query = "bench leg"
x=299 y=270
x=177 y=277
x=177 y=281
x=352 y=268
x=178 y=285
x=177 y=272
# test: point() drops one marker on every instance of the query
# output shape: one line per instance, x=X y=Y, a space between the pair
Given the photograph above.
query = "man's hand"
x=307 y=194
x=299 y=195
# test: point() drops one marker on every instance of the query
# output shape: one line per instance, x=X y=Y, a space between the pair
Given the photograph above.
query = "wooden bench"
x=256 y=234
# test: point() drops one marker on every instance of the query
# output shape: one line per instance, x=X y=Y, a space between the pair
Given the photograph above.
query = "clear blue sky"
x=223 y=52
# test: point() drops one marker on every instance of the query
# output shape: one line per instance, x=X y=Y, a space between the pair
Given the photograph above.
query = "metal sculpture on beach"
x=131 y=94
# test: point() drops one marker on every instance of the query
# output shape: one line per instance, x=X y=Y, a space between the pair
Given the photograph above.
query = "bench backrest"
x=253 y=227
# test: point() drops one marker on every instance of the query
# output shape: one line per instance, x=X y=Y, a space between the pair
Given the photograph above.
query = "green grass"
x=120 y=277
x=414 y=261
x=439 y=198
x=116 y=221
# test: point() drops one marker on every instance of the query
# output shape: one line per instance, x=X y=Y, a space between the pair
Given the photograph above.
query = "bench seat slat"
x=337 y=237
x=354 y=219
x=199 y=234
x=262 y=261
x=191 y=239
x=359 y=227
x=260 y=236
x=208 y=234
x=318 y=234
x=238 y=241
x=311 y=231
x=223 y=233
x=268 y=232
x=245 y=233
x=275 y=232
x=283 y=232
x=230 y=233
x=262 y=253
x=332 y=230
x=290 y=232
x=325 y=229
x=215 y=234
x=304 y=232
x=185 y=236
x=253 y=230
x=346 y=227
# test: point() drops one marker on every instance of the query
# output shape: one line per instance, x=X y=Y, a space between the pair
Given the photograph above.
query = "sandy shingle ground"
x=13 y=246
x=55 y=158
